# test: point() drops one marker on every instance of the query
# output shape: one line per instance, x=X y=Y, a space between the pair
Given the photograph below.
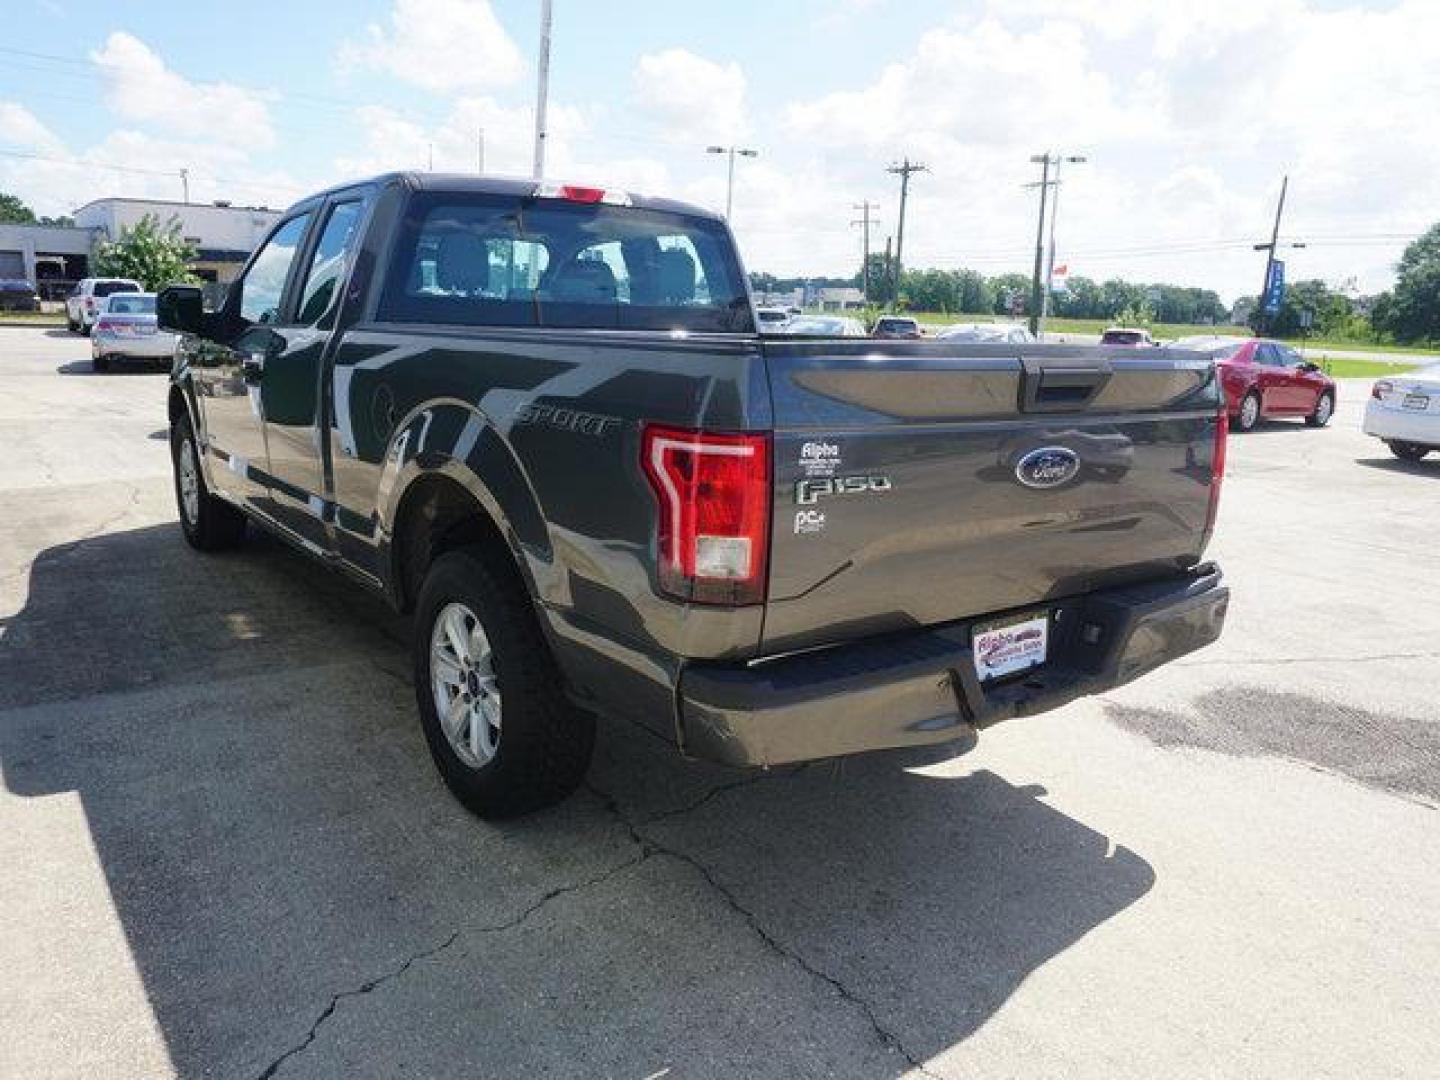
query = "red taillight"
x=104 y=326
x=714 y=521
x=578 y=193
x=1380 y=389
x=1217 y=468
x=89 y=303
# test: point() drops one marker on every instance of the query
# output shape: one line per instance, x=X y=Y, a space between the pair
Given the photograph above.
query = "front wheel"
x=1408 y=451
x=1249 y=414
x=1324 y=410
x=100 y=363
x=503 y=735
x=208 y=522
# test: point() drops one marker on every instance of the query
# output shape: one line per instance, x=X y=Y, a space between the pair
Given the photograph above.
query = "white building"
x=223 y=235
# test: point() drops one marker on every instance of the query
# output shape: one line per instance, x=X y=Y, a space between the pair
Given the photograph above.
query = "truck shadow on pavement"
x=301 y=897
x=1429 y=466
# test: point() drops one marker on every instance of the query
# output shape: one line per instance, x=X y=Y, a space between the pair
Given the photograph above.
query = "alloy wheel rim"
x=1322 y=411
x=1250 y=412
x=189 y=483
x=464 y=685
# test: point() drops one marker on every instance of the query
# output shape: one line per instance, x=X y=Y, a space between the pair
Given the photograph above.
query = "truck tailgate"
x=920 y=483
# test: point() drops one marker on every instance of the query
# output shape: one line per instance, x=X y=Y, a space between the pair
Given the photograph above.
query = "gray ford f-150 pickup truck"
x=540 y=418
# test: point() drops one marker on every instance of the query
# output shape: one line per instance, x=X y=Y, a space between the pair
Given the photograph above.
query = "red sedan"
x=1267 y=380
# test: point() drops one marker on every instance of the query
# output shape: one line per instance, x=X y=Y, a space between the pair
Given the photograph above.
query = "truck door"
x=227 y=372
x=290 y=385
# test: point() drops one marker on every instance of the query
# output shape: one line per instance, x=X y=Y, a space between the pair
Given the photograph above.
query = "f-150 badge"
x=812 y=489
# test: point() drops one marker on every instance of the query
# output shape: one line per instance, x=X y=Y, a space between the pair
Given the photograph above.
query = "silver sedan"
x=125 y=329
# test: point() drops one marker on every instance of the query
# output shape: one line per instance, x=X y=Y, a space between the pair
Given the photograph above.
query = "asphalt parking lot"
x=224 y=852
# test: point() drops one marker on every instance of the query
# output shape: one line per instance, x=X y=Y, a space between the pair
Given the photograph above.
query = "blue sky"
x=1188 y=113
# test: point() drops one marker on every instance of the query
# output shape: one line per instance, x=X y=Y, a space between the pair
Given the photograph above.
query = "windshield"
x=771 y=316
x=136 y=304
x=106 y=288
x=832 y=327
x=1122 y=337
x=478 y=259
x=897 y=325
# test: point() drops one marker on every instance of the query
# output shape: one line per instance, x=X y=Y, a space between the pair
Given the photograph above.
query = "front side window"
x=495 y=260
x=263 y=286
x=327 y=265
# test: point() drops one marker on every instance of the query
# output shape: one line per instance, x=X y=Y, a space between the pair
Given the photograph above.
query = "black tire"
x=100 y=363
x=545 y=742
x=1408 y=451
x=1324 y=410
x=70 y=323
x=215 y=525
x=84 y=330
x=1241 y=423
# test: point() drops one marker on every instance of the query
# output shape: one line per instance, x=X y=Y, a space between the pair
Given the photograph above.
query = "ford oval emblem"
x=1048 y=467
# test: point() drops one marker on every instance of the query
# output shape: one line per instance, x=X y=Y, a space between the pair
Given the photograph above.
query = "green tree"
x=153 y=254
x=14 y=211
x=1412 y=310
x=973 y=294
x=1012 y=294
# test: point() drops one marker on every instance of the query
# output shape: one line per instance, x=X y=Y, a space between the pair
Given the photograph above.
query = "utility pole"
x=902 y=170
x=1054 y=215
x=731 y=151
x=1036 y=300
x=542 y=89
x=1261 y=319
x=888 y=275
x=185 y=184
x=480 y=153
x=865 y=222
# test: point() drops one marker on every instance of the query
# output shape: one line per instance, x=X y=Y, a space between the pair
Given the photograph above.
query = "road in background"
x=226 y=851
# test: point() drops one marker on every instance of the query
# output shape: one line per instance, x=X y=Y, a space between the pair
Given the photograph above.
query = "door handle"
x=252 y=368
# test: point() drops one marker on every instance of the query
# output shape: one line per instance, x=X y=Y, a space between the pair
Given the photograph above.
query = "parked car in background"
x=18 y=295
x=82 y=307
x=769 y=320
x=896 y=328
x=1404 y=411
x=126 y=330
x=1128 y=336
x=988 y=333
x=825 y=326
x=1267 y=380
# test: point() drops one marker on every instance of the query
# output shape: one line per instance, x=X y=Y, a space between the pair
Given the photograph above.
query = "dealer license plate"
x=1010 y=645
x=1417 y=401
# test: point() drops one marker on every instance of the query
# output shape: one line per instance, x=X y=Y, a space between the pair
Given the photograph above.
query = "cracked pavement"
x=227 y=855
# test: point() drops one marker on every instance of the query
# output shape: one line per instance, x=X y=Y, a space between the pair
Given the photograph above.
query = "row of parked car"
x=118 y=316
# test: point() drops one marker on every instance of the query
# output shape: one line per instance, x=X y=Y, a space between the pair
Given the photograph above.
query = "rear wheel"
x=501 y=731
x=70 y=322
x=1324 y=410
x=208 y=522
x=1249 y=414
x=1408 y=451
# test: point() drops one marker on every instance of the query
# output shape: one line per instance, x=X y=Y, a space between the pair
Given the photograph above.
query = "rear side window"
x=132 y=305
x=327 y=265
x=493 y=260
x=106 y=288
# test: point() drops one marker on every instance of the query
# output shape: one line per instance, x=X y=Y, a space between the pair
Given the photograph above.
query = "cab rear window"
x=107 y=288
x=493 y=260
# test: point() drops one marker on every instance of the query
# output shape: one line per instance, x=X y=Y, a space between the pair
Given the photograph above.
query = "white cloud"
x=438 y=45
x=141 y=88
x=20 y=127
x=689 y=97
x=1189 y=113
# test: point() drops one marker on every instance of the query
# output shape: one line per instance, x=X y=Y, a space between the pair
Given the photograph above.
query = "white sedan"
x=1404 y=410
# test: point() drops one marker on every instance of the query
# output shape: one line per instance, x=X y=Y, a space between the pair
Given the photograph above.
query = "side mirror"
x=181 y=308
x=1307 y=367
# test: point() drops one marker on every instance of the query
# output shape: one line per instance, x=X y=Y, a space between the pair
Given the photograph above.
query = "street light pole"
x=1074 y=159
x=542 y=90
x=185 y=183
x=730 y=152
x=1036 y=299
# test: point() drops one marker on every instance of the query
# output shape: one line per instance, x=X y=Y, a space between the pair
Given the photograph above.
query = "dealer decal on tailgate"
x=1012 y=645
